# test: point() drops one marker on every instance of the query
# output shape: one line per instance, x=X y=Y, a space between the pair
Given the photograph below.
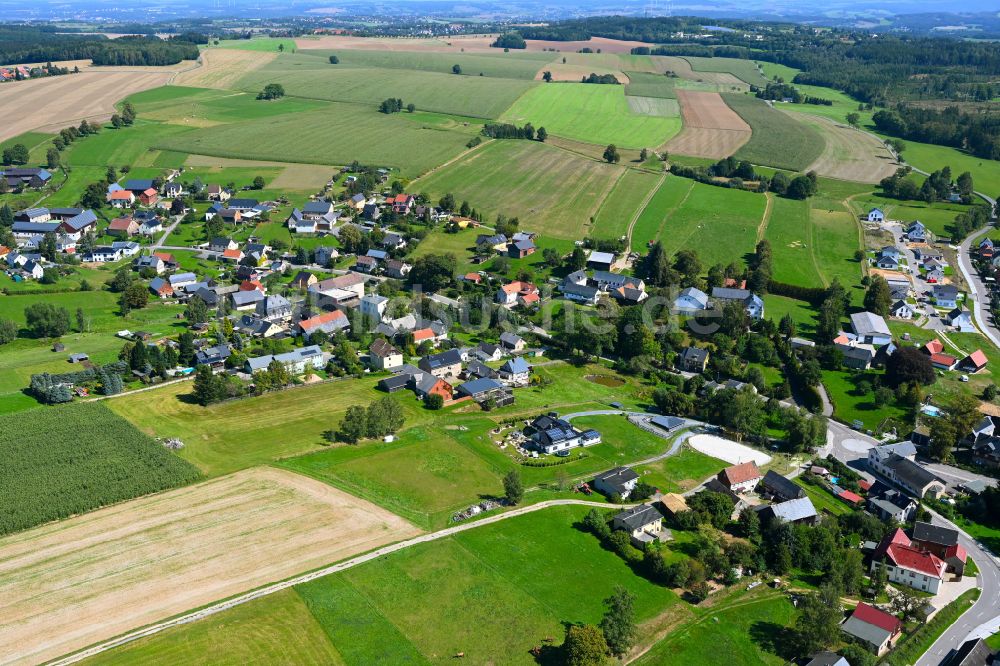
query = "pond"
x=605 y=380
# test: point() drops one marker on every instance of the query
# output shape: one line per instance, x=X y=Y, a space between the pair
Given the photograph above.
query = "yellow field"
x=222 y=68
x=73 y=583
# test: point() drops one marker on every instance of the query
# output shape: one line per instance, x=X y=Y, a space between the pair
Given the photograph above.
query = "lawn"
x=777 y=140
x=985 y=173
x=849 y=406
x=938 y=216
x=823 y=500
x=552 y=191
x=591 y=113
x=720 y=224
x=745 y=70
x=229 y=436
x=258 y=43
x=314 y=78
x=624 y=203
x=512 y=65
x=277 y=628
x=681 y=472
x=338 y=134
x=802 y=313
x=754 y=632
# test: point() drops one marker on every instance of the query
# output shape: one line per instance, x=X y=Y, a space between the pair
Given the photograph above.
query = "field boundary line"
x=464 y=153
x=670 y=213
x=642 y=207
x=607 y=196
x=766 y=217
x=218 y=607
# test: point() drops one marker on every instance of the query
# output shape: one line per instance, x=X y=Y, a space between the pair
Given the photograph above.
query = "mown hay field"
x=512 y=65
x=779 y=139
x=623 y=203
x=70 y=584
x=719 y=223
x=590 y=112
x=314 y=78
x=337 y=134
x=849 y=153
x=222 y=68
x=744 y=70
x=711 y=128
x=60 y=462
x=552 y=191
x=654 y=106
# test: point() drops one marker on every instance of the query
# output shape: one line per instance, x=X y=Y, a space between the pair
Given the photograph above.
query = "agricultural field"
x=552 y=191
x=223 y=68
x=486 y=592
x=144 y=560
x=742 y=70
x=375 y=138
x=624 y=203
x=61 y=462
x=592 y=113
x=287 y=423
x=494 y=65
x=314 y=78
x=711 y=128
x=90 y=95
x=848 y=153
x=721 y=224
x=778 y=140
x=653 y=106
x=574 y=73
x=985 y=173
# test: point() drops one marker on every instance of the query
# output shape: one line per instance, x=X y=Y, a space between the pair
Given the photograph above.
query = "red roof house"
x=873 y=627
x=741 y=478
x=934 y=347
x=149 y=197
x=943 y=361
x=975 y=361
x=849 y=497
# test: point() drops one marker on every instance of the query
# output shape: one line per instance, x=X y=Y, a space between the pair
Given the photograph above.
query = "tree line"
x=740 y=174
x=511 y=131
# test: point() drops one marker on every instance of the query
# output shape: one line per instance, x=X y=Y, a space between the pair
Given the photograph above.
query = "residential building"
x=794 y=511
x=329 y=323
x=916 y=232
x=257 y=327
x=181 y=280
x=901 y=310
x=644 y=524
x=690 y=301
x=246 y=299
x=213 y=356
x=149 y=261
x=512 y=342
x=396 y=269
x=122 y=227
x=384 y=356
x=943 y=542
x=876 y=215
x=827 y=658
x=907 y=564
x=753 y=304
x=890 y=504
x=427 y=384
x=895 y=463
x=961 y=320
x=692 y=359
x=616 y=483
x=510 y=294
x=777 y=487
x=296 y=362
x=973 y=652
x=742 y=478
x=374 y=306
x=974 y=362
x=516 y=372
x=870 y=328
x=945 y=296
x=550 y=434
x=487 y=392
x=274 y=308
x=120 y=199
x=161 y=288
x=875 y=628
x=445 y=364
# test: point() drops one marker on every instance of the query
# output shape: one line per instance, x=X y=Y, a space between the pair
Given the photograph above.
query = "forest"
x=29 y=44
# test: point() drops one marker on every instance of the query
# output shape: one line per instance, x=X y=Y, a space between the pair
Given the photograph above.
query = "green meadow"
x=591 y=113
x=510 y=65
x=777 y=139
x=623 y=203
x=552 y=191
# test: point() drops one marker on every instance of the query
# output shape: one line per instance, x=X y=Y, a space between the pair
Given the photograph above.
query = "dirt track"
x=50 y=104
x=711 y=128
x=849 y=154
x=69 y=584
x=222 y=68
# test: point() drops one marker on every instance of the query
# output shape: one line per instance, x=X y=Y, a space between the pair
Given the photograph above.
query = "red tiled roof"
x=978 y=358
x=473 y=277
x=934 y=347
x=740 y=473
x=909 y=557
x=319 y=320
x=423 y=334
x=849 y=497
x=120 y=224
x=878 y=618
x=865 y=485
x=235 y=253
x=898 y=536
x=121 y=194
x=956 y=551
x=530 y=297
x=251 y=285
x=943 y=359
x=165 y=256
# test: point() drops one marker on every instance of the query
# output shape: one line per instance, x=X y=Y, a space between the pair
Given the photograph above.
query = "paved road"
x=335 y=568
x=978 y=292
x=161 y=243
x=983 y=617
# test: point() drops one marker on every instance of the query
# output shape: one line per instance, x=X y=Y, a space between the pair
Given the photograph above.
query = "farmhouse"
x=908 y=564
x=643 y=523
x=329 y=323
x=384 y=356
x=425 y=385
x=943 y=542
x=870 y=328
x=123 y=227
x=794 y=511
x=161 y=288
x=777 y=487
x=742 y=478
x=617 y=482
x=876 y=629
x=25 y=177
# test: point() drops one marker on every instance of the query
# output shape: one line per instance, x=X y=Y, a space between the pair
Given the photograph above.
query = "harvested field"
x=452 y=44
x=569 y=72
x=849 y=154
x=69 y=584
x=222 y=68
x=653 y=106
x=28 y=105
x=594 y=43
x=682 y=68
x=740 y=70
x=711 y=128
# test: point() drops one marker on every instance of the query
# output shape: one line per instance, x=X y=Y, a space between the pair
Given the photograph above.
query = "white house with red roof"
x=742 y=478
x=907 y=564
x=517 y=293
x=875 y=628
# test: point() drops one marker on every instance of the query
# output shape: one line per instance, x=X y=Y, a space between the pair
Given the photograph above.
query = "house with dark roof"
x=943 y=542
x=213 y=356
x=274 y=308
x=890 y=504
x=486 y=392
x=384 y=356
x=692 y=359
x=550 y=434
x=512 y=342
x=945 y=296
x=445 y=364
x=973 y=652
x=752 y=303
x=643 y=523
x=616 y=483
x=874 y=628
x=777 y=487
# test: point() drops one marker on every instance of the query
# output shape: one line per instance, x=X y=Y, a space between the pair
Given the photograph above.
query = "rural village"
x=621 y=354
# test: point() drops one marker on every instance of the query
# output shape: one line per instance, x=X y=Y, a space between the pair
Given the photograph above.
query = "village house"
x=515 y=292
x=274 y=308
x=516 y=371
x=901 y=310
x=798 y=511
x=617 y=483
x=752 y=303
x=870 y=328
x=120 y=199
x=943 y=542
x=373 y=306
x=512 y=342
x=329 y=323
x=122 y=227
x=895 y=463
x=742 y=478
x=876 y=215
x=257 y=327
x=486 y=392
x=149 y=261
x=692 y=359
x=890 y=504
x=776 y=487
x=643 y=523
x=550 y=434
x=961 y=320
x=444 y=365
x=876 y=629
x=691 y=301
x=916 y=232
x=161 y=288
x=217 y=193
x=907 y=564
x=296 y=362
x=384 y=356
x=396 y=269
x=214 y=356
x=945 y=296
x=426 y=384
